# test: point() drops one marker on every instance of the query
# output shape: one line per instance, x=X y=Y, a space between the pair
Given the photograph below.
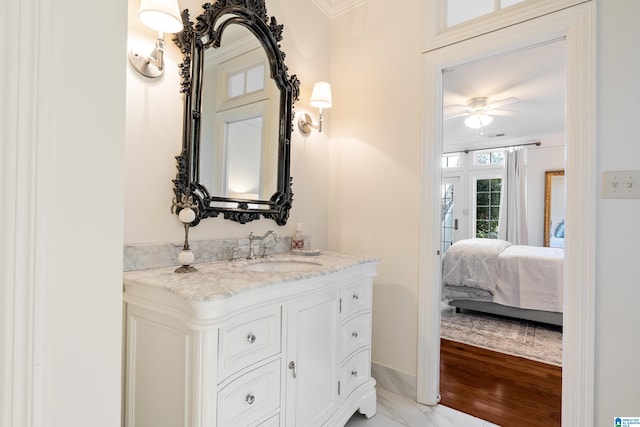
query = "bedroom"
x=503 y=141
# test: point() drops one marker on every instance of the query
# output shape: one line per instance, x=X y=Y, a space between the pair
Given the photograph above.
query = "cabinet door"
x=312 y=359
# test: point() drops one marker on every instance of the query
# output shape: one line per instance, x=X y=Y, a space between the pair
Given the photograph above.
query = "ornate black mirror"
x=237 y=115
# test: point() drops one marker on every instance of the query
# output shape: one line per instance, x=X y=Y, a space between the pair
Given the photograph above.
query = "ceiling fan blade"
x=451 y=111
x=502 y=102
x=456 y=115
x=506 y=113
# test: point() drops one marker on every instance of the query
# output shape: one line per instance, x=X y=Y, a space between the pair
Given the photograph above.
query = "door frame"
x=577 y=26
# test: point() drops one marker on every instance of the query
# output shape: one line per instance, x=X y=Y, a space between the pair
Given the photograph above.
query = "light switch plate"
x=621 y=185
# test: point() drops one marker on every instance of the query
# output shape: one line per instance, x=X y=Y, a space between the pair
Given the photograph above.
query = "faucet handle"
x=251 y=238
x=266 y=250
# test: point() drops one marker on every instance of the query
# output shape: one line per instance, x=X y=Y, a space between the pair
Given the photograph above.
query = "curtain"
x=513 y=198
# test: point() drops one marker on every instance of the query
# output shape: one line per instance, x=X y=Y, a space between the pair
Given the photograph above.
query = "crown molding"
x=333 y=8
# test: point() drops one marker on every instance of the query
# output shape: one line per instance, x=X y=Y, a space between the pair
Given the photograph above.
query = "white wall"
x=548 y=157
x=84 y=214
x=154 y=136
x=62 y=197
x=618 y=269
x=375 y=174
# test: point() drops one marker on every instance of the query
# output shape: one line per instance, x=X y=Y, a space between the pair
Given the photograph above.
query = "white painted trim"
x=579 y=319
x=22 y=237
x=577 y=26
x=430 y=265
x=435 y=34
x=333 y=8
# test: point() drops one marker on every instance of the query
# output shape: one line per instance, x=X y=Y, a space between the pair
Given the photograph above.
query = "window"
x=489 y=157
x=451 y=161
x=488 y=207
x=459 y=11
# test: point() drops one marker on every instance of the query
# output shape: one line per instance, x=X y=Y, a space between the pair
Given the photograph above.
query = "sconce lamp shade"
x=161 y=15
x=476 y=121
x=321 y=95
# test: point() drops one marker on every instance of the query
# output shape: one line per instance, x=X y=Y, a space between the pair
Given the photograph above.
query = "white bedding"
x=515 y=275
x=473 y=263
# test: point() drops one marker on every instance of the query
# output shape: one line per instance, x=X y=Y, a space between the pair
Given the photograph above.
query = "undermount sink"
x=282 y=266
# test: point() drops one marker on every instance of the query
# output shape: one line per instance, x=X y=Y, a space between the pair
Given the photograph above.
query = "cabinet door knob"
x=250 y=399
x=292 y=366
x=354 y=373
x=251 y=338
x=356 y=297
x=355 y=334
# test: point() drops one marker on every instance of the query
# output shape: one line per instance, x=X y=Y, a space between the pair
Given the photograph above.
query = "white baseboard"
x=395 y=381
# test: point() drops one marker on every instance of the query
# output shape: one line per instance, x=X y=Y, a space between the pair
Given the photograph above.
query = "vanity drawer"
x=355 y=372
x=271 y=422
x=250 y=398
x=247 y=340
x=356 y=333
x=356 y=297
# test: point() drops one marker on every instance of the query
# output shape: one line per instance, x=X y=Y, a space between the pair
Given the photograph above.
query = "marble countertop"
x=223 y=279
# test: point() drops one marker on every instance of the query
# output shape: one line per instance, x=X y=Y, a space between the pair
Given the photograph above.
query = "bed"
x=494 y=276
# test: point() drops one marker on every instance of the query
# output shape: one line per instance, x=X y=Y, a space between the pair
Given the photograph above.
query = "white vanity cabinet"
x=279 y=350
x=312 y=357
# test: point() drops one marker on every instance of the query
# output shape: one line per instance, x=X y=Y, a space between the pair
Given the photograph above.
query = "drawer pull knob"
x=292 y=366
x=354 y=373
x=251 y=338
x=356 y=297
x=355 y=334
x=250 y=399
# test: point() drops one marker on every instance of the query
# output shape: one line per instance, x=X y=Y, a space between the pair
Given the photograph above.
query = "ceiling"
x=536 y=76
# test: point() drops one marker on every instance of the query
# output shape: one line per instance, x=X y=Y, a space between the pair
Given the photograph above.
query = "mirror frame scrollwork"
x=193 y=41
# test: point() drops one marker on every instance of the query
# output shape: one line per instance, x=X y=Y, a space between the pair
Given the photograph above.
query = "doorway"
x=576 y=26
x=520 y=97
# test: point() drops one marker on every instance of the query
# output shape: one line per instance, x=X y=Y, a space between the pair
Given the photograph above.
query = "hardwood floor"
x=502 y=389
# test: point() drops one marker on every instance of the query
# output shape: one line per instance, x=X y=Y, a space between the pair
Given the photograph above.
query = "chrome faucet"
x=251 y=238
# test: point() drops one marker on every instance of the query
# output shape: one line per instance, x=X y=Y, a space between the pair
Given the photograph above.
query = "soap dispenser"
x=297 y=241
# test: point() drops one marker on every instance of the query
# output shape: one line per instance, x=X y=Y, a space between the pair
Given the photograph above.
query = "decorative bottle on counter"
x=297 y=241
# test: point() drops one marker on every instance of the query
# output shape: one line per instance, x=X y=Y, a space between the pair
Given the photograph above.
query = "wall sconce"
x=164 y=17
x=320 y=98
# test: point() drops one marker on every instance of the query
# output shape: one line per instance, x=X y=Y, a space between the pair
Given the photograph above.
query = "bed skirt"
x=541 y=316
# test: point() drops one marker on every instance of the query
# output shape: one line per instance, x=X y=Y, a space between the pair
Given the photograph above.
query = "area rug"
x=523 y=338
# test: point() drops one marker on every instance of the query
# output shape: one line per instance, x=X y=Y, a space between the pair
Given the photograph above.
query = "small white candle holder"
x=186 y=215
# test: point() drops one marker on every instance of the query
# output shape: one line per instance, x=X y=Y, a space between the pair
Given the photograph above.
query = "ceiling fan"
x=479 y=111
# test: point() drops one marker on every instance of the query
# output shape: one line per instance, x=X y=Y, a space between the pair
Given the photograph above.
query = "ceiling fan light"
x=476 y=121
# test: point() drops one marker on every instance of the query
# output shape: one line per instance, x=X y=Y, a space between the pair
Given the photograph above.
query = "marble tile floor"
x=397 y=411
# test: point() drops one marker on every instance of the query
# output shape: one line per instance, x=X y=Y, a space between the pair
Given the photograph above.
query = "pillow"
x=487 y=246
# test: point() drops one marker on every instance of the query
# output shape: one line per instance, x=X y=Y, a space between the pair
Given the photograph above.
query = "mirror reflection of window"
x=235 y=85
x=239 y=127
x=246 y=81
x=255 y=78
x=244 y=142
